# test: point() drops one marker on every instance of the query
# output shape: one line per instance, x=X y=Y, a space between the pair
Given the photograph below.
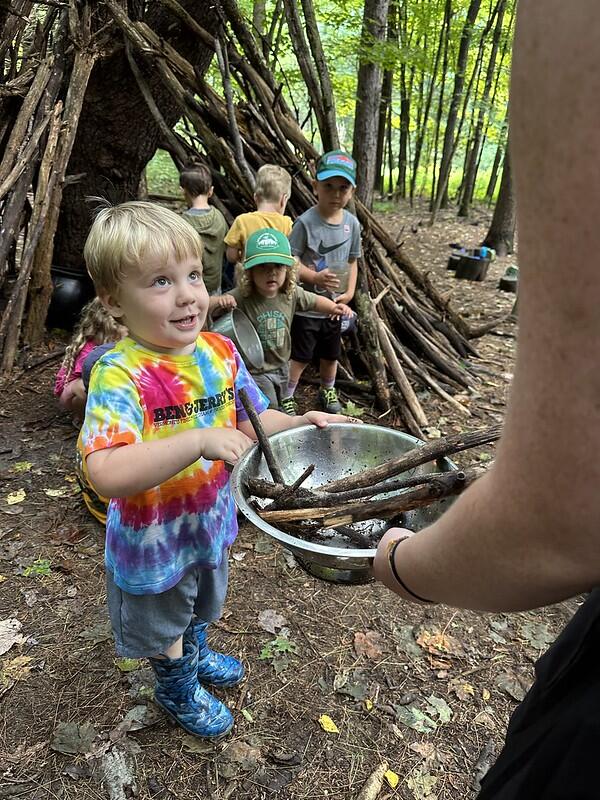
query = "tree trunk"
x=385 y=106
x=491 y=188
x=330 y=136
x=442 y=47
x=473 y=159
x=109 y=158
x=501 y=235
x=459 y=81
x=368 y=96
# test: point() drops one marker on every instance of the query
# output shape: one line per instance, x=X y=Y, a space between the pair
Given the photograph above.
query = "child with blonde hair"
x=162 y=419
x=272 y=191
x=268 y=294
x=96 y=327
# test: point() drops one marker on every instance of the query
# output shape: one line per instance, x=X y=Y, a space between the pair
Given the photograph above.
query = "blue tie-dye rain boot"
x=185 y=701
x=215 y=669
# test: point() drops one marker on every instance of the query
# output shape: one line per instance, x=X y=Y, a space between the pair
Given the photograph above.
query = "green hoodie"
x=212 y=228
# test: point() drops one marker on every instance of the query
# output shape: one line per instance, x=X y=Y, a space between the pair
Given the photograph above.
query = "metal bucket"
x=336 y=451
x=237 y=327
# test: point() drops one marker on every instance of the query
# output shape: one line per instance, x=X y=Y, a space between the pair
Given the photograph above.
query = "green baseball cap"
x=336 y=163
x=268 y=246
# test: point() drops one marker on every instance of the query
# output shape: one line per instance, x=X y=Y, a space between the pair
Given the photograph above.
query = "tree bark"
x=459 y=81
x=110 y=158
x=473 y=158
x=501 y=235
x=368 y=97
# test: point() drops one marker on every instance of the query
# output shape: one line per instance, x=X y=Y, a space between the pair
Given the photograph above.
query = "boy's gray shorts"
x=146 y=625
x=273 y=384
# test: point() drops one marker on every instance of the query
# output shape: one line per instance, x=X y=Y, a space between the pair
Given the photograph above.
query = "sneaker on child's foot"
x=329 y=400
x=289 y=406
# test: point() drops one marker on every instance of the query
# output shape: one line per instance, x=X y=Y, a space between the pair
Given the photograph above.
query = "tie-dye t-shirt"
x=136 y=395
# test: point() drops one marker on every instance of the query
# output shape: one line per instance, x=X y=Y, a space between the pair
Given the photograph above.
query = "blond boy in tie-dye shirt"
x=163 y=418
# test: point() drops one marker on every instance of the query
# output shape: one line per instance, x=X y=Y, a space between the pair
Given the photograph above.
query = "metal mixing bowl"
x=338 y=450
x=236 y=326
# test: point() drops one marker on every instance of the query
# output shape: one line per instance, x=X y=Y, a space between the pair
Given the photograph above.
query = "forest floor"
x=426 y=690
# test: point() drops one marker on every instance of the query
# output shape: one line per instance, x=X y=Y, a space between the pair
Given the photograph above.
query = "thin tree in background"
x=501 y=235
x=385 y=105
x=491 y=188
x=474 y=152
x=441 y=48
x=440 y=108
x=368 y=96
x=459 y=81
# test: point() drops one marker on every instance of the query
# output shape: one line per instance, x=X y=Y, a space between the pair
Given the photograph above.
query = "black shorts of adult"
x=318 y=337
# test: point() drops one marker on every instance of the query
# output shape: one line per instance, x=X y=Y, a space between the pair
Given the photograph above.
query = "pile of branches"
x=41 y=96
x=383 y=492
x=408 y=334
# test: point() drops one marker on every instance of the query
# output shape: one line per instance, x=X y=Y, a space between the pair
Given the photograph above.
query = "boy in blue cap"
x=326 y=240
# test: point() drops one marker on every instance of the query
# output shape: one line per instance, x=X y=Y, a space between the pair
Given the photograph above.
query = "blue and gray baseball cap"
x=336 y=163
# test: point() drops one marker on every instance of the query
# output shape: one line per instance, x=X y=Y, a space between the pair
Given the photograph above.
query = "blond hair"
x=246 y=284
x=95 y=324
x=272 y=182
x=123 y=237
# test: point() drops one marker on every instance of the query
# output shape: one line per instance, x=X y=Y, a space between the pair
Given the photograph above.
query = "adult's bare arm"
x=527 y=534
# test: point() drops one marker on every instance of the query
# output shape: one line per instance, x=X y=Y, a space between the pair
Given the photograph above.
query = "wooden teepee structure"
x=408 y=333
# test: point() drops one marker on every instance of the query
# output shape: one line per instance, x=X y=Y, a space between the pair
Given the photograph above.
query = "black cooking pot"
x=72 y=290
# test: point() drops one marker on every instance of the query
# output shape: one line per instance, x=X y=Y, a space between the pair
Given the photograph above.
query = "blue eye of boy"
x=196 y=275
x=160 y=281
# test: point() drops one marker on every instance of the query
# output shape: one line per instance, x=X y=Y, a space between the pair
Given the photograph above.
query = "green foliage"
x=352 y=410
x=162 y=176
x=40 y=568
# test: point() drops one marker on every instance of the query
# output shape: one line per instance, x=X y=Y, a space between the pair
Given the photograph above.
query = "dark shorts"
x=318 y=337
x=148 y=624
x=551 y=747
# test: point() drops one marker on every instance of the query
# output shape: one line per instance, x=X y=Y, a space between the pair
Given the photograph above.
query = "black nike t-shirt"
x=319 y=245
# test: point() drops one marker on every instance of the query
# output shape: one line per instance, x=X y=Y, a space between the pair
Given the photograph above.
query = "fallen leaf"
x=439 y=643
x=328 y=724
x=136 y=719
x=238 y=757
x=16 y=497
x=462 y=689
x=18 y=668
x=127 y=664
x=263 y=546
x=62 y=492
x=239 y=556
x=9 y=634
x=21 y=466
x=414 y=718
x=405 y=637
x=369 y=644
x=98 y=633
x=513 y=684
x=270 y=620
x=421 y=785
x=537 y=634
x=441 y=707
x=392 y=778
x=485 y=694
x=368 y=704
x=247 y=715
x=71 y=738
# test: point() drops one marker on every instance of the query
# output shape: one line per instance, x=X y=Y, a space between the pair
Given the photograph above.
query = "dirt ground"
x=428 y=691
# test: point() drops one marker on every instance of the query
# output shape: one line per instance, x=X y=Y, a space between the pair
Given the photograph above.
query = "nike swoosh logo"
x=324 y=249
